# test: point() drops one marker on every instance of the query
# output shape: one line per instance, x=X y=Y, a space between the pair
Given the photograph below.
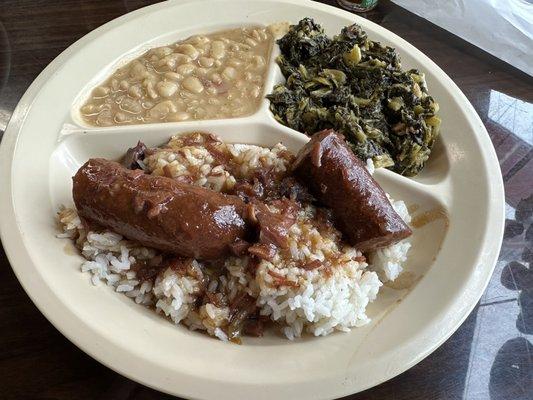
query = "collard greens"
x=356 y=86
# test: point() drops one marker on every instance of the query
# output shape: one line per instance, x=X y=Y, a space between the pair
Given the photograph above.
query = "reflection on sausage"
x=339 y=180
x=157 y=211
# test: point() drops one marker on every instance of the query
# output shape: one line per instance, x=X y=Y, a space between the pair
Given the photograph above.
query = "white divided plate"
x=448 y=268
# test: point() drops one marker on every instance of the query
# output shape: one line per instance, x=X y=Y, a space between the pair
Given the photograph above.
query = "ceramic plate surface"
x=450 y=263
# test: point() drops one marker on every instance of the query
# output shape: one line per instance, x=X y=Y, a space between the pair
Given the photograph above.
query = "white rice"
x=388 y=260
x=176 y=294
x=193 y=160
x=330 y=298
x=370 y=166
x=321 y=304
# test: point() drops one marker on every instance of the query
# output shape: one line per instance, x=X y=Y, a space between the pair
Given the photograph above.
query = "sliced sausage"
x=340 y=181
x=158 y=211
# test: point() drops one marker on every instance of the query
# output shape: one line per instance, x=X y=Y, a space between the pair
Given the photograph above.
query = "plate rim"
x=17 y=252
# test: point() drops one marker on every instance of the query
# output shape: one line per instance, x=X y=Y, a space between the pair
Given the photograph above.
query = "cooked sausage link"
x=157 y=211
x=340 y=181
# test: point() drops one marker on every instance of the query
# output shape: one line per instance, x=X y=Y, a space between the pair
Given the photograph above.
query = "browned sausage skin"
x=157 y=211
x=340 y=181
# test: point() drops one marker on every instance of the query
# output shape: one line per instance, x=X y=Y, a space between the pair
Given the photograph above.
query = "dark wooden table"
x=490 y=356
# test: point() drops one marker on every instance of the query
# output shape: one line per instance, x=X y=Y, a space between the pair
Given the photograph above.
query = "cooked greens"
x=356 y=86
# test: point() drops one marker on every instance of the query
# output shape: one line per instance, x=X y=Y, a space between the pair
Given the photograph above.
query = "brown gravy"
x=422 y=219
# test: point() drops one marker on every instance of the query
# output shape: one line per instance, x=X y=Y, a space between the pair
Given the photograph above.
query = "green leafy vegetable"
x=356 y=86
